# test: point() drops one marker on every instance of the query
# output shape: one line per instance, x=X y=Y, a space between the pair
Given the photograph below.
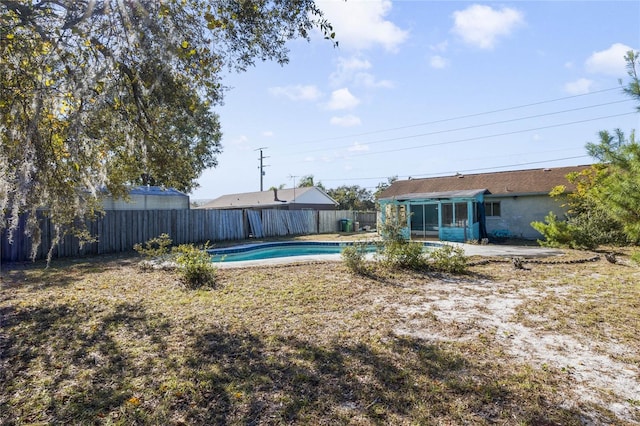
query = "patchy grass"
x=99 y=342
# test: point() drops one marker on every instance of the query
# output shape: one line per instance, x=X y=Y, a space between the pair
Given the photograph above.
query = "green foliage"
x=617 y=188
x=396 y=250
x=384 y=185
x=98 y=96
x=595 y=228
x=155 y=247
x=635 y=257
x=448 y=258
x=603 y=208
x=589 y=223
x=403 y=254
x=195 y=266
x=557 y=233
x=352 y=198
x=353 y=257
x=391 y=230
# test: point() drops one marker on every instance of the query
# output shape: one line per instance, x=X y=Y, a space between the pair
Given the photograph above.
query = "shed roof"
x=516 y=182
x=307 y=195
x=471 y=193
x=155 y=190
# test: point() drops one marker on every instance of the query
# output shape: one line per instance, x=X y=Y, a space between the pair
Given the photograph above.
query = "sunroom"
x=456 y=216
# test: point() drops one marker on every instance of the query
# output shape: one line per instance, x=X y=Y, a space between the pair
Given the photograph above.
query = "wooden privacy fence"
x=118 y=230
x=328 y=220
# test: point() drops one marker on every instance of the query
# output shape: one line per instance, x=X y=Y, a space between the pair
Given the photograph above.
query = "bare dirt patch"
x=100 y=342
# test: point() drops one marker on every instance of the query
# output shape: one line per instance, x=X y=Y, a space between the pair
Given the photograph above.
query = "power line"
x=460 y=117
x=489 y=136
x=450 y=173
x=460 y=171
x=475 y=126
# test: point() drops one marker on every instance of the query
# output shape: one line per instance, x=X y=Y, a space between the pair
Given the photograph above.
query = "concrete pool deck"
x=469 y=249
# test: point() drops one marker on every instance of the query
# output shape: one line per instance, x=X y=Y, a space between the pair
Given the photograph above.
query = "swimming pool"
x=284 y=249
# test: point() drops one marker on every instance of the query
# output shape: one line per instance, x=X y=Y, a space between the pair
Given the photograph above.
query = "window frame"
x=490 y=208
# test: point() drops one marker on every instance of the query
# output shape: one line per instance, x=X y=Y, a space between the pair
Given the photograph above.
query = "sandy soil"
x=486 y=307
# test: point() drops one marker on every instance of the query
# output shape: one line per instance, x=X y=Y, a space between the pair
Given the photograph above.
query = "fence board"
x=119 y=230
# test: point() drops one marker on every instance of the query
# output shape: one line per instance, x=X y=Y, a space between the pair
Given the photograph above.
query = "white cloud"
x=440 y=47
x=267 y=134
x=353 y=70
x=361 y=24
x=358 y=147
x=297 y=93
x=346 y=121
x=368 y=80
x=610 y=61
x=241 y=142
x=438 y=62
x=342 y=99
x=481 y=26
x=578 y=87
x=346 y=68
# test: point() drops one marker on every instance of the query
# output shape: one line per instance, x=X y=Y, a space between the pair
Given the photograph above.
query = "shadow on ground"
x=85 y=364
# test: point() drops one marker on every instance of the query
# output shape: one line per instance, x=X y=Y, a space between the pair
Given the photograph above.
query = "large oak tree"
x=96 y=95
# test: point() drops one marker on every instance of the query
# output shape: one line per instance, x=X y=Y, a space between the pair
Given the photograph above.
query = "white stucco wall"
x=313 y=197
x=517 y=213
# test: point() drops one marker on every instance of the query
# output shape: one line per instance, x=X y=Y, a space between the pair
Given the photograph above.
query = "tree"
x=588 y=223
x=611 y=190
x=96 y=95
x=384 y=185
x=352 y=198
x=618 y=189
x=604 y=208
x=307 y=181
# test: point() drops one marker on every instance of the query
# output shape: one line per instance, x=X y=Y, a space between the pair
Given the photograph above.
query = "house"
x=148 y=198
x=308 y=198
x=470 y=207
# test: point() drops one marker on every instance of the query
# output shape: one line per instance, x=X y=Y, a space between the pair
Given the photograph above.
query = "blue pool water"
x=281 y=249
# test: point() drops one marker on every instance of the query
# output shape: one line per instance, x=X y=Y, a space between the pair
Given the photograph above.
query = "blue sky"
x=430 y=88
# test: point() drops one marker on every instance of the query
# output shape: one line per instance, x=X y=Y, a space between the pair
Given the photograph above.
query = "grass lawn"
x=98 y=341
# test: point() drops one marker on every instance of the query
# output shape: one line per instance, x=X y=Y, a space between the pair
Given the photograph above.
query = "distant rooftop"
x=532 y=181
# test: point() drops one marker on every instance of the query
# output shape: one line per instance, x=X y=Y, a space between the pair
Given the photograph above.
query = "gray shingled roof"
x=262 y=199
x=517 y=182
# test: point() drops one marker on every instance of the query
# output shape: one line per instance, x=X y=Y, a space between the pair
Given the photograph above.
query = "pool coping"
x=469 y=249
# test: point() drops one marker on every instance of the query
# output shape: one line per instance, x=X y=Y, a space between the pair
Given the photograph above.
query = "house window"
x=492 y=208
x=461 y=215
x=454 y=215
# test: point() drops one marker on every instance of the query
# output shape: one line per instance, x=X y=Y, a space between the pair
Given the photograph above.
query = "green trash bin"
x=349 y=225
x=343 y=225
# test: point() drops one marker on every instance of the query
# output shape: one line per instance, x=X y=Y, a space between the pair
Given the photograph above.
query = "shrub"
x=155 y=247
x=391 y=230
x=194 y=264
x=353 y=257
x=403 y=254
x=595 y=228
x=635 y=257
x=448 y=258
x=557 y=233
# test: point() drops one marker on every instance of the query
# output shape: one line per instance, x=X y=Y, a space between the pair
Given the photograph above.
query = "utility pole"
x=294 y=187
x=261 y=166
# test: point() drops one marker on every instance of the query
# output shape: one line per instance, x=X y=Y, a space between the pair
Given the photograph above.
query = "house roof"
x=516 y=182
x=470 y=193
x=307 y=195
x=155 y=190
